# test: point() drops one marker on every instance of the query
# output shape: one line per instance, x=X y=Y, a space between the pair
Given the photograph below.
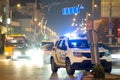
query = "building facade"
x=113 y=8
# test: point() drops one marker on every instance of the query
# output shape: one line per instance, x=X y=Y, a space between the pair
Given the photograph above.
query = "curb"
x=89 y=76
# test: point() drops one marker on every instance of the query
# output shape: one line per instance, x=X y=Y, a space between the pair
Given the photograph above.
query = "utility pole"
x=110 y=22
x=7 y=16
x=94 y=41
x=35 y=22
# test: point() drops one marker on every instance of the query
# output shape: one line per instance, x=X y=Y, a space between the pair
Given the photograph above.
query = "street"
x=27 y=70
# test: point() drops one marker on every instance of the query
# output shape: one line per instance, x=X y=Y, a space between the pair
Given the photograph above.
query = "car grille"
x=88 y=55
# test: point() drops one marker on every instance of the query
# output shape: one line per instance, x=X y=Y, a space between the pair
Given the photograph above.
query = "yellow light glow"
x=18 y=5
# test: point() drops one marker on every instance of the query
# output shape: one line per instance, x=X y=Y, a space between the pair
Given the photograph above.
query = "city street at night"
x=26 y=70
x=59 y=39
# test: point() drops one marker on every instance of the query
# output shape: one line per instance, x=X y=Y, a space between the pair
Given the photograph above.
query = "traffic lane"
x=17 y=70
x=26 y=70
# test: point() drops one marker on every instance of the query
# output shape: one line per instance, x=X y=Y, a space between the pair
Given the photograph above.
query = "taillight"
x=77 y=54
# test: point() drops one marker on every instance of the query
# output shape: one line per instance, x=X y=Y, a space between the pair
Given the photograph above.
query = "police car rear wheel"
x=53 y=66
x=69 y=68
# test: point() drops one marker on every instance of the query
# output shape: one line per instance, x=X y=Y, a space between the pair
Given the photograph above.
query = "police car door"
x=63 y=50
x=57 y=51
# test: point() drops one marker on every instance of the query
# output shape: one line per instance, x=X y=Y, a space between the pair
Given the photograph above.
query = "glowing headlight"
x=6 y=53
x=77 y=54
x=115 y=56
x=17 y=53
x=29 y=52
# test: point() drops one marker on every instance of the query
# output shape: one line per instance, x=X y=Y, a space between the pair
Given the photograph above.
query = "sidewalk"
x=89 y=76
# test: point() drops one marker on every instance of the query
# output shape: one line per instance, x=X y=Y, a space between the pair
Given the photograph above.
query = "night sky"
x=59 y=23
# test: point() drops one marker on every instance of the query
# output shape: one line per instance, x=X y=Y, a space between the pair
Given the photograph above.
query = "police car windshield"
x=78 y=43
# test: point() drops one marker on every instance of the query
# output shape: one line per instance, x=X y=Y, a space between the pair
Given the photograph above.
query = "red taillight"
x=119 y=32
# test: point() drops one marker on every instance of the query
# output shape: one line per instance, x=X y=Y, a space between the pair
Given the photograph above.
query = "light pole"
x=35 y=22
x=49 y=6
x=94 y=41
x=110 y=22
x=11 y=11
x=7 y=15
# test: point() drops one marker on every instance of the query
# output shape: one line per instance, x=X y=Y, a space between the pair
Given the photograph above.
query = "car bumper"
x=14 y=57
x=87 y=64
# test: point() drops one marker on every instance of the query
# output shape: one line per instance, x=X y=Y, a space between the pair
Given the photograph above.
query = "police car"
x=75 y=54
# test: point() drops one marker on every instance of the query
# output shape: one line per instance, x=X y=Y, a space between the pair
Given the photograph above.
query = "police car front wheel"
x=109 y=69
x=53 y=65
x=69 y=68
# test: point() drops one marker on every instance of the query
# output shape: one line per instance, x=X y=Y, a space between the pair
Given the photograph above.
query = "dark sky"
x=59 y=23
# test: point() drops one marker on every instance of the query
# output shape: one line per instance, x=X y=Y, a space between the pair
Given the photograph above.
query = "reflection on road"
x=27 y=70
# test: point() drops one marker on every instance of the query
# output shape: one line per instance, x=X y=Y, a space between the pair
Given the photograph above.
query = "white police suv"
x=75 y=54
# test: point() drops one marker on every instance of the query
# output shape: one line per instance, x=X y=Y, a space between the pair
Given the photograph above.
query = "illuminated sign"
x=70 y=10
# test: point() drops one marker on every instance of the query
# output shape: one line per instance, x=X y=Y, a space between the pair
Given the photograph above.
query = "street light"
x=49 y=6
x=7 y=14
x=35 y=22
x=18 y=5
x=74 y=19
x=11 y=15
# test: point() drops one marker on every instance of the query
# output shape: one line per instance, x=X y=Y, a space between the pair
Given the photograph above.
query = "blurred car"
x=22 y=52
x=115 y=57
x=46 y=46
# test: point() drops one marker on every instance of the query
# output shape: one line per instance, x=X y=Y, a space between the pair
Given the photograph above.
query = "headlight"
x=17 y=53
x=77 y=54
x=29 y=52
x=115 y=56
x=6 y=53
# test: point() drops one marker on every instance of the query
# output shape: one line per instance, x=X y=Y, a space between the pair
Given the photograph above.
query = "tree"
x=103 y=30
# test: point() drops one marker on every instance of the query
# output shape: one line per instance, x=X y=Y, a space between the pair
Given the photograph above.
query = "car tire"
x=54 y=67
x=87 y=70
x=8 y=57
x=108 y=69
x=69 y=69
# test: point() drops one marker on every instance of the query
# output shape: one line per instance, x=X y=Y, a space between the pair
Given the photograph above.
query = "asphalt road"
x=29 y=70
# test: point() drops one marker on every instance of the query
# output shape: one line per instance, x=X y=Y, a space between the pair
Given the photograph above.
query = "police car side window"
x=62 y=45
x=58 y=44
